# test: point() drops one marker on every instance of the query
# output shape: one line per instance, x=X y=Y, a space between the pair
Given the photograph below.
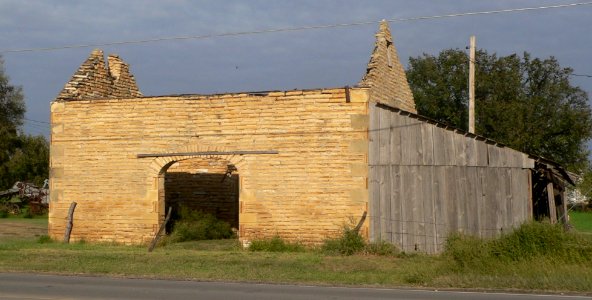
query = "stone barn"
x=299 y=164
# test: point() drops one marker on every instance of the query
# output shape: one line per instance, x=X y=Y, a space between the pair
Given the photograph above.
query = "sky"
x=304 y=59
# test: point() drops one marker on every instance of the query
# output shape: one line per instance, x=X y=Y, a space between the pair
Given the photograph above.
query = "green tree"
x=528 y=104
x=22 y=157
x=12 y=110
x=30 y=161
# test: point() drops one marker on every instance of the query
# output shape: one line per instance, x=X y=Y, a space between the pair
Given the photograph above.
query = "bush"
x=275 y=244
x=197 y=225
x=350 y=242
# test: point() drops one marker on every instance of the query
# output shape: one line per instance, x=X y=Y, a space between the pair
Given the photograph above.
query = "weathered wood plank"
x=418 y=220
x=479 y=194
x=471 y=151
x=449 y=148
x=472 y=214
x=427 y=144
x=452 y=202
x=461 y=202
x=374 y=173
x=441 y=205
x=500 y=199
x=439 y=140
x=411 y=143
x=520 y=196
x=374 y=203
x=384 y=136
x=395 y=138
x=508 y=198
x=551 y=200
x=482 y=154
x=460 y=148
x=373 y=136
x=427 y=188
x=494 y=156
x=385 y=204
x=410 y=203
x=491 y=202
x=396 y=206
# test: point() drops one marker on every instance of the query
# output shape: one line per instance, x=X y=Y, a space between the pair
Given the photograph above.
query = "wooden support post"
x=472 y=85
x=563 y=217
x=551 y=200
x=160 y=230
x=70 y=222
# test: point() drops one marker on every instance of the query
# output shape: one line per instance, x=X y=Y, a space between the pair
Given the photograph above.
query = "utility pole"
x=472 y=85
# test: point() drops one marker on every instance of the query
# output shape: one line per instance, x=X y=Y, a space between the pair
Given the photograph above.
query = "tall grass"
x=530 y=242
x=275 y=244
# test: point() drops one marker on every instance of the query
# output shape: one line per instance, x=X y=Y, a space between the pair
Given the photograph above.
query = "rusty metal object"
x=27 y=193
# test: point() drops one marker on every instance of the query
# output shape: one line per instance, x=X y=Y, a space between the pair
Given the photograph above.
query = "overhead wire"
x=581 y=75
x=292 y=29
x=36 y=121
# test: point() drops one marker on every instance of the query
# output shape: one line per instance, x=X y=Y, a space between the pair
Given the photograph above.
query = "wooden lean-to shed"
x=299 y=164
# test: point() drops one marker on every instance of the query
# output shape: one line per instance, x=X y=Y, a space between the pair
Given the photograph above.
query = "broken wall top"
x=97 y=80
x=385 y=75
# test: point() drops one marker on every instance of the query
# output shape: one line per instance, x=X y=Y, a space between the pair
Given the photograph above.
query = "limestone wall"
x=306 y=192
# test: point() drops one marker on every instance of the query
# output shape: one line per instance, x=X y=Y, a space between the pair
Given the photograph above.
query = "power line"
x=35 y=121
x=291 y=29
x=582 y=75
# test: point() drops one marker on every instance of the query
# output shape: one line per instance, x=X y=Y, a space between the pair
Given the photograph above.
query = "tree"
x=528 y=104
x=30 y=161
x=22 y=157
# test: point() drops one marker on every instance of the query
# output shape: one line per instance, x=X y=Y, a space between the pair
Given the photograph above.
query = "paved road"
x=30 y=286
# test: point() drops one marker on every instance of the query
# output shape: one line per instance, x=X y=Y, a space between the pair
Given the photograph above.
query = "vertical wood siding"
x=426 y=181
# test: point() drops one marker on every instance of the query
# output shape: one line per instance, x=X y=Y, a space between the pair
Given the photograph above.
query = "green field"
x=581 y=221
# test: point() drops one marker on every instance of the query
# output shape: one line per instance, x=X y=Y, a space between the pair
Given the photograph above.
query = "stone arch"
x=159 y=165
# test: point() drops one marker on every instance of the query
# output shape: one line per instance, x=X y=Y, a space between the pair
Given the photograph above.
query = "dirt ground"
x=23 y=227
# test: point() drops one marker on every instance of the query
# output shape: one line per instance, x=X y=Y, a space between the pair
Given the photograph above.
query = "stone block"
x=360 y=121
x=359 y=146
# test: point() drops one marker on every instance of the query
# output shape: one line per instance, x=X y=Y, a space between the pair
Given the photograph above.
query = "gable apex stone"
x=385 y=75
x=96 y=79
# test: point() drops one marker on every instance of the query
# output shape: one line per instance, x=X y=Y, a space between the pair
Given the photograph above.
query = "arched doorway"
x=201 y=164
x=208 y=185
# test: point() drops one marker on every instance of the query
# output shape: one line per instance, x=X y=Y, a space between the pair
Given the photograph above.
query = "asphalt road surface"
x=32 y=286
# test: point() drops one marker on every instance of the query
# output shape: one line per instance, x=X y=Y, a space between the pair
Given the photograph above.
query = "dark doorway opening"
x=208 y=186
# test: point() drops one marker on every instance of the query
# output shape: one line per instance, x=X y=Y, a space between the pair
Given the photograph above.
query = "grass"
x=38 y=220
x=469 y=263
x=581 y=221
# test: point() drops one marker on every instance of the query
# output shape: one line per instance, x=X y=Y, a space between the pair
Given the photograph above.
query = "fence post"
x=70 y=222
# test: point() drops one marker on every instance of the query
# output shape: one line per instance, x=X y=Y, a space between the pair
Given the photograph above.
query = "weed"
x=197 y=225
x=350 y=242
x=275 y=244
x=44 y=239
